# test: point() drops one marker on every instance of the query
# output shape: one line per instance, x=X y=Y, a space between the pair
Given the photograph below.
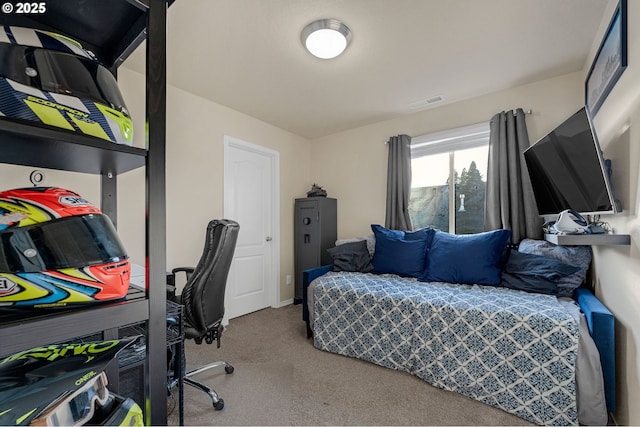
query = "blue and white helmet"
x=43 y=39
x=49 y=79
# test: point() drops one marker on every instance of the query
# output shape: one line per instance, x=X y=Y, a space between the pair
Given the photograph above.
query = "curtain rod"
x=529 y=111
x=526 y=112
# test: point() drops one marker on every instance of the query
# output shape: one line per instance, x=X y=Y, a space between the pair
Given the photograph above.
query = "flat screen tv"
x=567 y=170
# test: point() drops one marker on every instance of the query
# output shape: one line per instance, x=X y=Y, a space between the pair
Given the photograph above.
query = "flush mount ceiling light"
x=326 y=38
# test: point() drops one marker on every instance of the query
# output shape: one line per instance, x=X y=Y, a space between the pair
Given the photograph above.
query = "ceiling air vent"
x=424 y=103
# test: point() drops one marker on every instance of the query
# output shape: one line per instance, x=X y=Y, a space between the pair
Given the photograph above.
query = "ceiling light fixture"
x=326 y=38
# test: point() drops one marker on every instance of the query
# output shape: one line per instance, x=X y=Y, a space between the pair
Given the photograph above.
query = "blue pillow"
x=467 y=258
x=579 y=256
x=421 y=234
x=400 y=252
x=398 y=256
x=534 y=273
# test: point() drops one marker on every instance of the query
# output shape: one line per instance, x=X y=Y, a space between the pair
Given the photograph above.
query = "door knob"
x=268 y=238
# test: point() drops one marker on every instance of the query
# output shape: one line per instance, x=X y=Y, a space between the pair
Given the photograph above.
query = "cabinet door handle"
x=268 y=238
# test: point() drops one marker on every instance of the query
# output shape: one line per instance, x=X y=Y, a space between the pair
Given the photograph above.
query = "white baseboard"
x=284 y=303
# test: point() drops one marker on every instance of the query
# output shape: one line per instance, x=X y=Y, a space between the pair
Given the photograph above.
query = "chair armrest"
x=171 y=281
x=602 y=329
x=187 y=270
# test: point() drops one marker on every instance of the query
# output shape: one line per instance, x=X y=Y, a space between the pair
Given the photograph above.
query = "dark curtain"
x=398 y=183
x=510 y=203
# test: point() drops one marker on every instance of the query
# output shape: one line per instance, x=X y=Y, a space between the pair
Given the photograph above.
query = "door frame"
x=274 y=156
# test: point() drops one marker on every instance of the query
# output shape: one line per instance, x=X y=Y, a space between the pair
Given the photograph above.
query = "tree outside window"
x=435 y=177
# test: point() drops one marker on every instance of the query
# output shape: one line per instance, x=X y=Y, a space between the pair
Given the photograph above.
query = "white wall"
x=352 y=165
x=617 y=268
x=194 y=170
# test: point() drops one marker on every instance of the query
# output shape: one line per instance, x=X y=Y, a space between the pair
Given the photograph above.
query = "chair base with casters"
x=203 y=298
x=187 y=378
x=217 y=401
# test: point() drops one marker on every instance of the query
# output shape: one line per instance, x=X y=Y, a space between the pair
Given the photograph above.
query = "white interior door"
x=251 y=199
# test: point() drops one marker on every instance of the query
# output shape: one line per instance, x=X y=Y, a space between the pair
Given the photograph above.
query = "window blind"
x=445 y=141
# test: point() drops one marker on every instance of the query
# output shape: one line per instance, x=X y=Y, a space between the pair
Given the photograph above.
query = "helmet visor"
x=60 y=72
x=71 y=242
x=78 y=407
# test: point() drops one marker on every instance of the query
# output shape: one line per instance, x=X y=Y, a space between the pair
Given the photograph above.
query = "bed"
x=546 y=358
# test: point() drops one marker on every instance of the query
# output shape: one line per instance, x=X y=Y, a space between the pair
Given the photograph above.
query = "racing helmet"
x=49 y=79
x=65 y=385
x=57 y=249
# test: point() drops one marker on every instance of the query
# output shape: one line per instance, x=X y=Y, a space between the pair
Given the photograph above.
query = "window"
x=452 y=162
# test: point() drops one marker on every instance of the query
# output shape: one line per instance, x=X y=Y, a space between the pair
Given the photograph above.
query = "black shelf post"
x=156 y=383
x=108 y=194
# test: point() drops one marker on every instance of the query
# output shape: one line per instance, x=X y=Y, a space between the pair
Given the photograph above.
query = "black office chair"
x=203 y=296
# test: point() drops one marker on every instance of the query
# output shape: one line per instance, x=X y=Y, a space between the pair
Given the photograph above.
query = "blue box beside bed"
x=599 y=319
x=602 y=329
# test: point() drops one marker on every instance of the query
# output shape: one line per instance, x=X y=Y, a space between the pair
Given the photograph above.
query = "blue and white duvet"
x=509 y=349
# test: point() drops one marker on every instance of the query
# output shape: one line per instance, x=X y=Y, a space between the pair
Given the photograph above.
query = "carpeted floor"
x=280 y=378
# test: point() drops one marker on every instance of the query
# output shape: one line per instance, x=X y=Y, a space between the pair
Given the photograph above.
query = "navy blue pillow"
x=467 y=258
x=421 y=234
x=398 y=256
x=400 y=252
x=534 y=273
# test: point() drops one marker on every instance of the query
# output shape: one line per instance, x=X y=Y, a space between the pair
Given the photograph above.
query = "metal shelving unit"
x=112 y=29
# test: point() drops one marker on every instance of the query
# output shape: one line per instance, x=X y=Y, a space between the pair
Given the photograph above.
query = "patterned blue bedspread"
x=510 y=349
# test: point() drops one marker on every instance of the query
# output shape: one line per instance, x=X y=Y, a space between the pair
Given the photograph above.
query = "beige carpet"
x=280 y=378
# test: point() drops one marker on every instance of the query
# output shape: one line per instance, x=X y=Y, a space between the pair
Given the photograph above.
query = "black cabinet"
x=315 y=231
x=112 y=29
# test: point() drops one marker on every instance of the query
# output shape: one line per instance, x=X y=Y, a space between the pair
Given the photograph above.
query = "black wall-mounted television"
x=567 y=170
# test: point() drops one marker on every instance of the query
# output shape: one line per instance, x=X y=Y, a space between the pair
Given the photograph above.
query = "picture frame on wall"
x=610 y=60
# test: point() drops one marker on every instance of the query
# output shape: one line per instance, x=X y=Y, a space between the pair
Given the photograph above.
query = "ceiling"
x=247 y=54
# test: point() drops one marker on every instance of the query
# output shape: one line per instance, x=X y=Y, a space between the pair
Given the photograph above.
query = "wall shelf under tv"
x=588 y=239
